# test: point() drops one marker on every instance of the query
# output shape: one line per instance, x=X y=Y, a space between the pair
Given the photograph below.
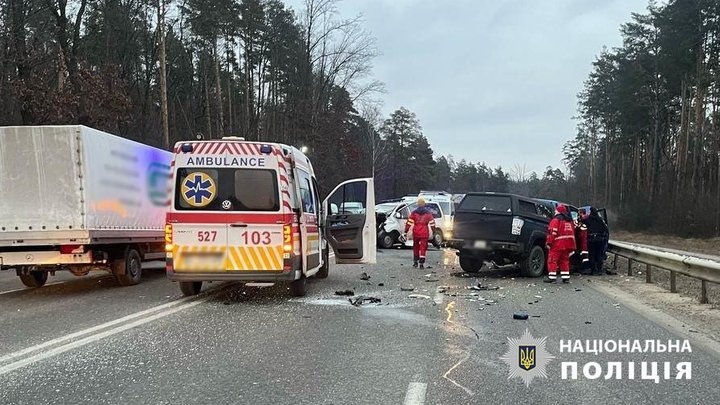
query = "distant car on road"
x=502 y=228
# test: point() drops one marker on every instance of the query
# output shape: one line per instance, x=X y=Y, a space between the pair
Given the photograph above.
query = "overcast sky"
x=491 y=81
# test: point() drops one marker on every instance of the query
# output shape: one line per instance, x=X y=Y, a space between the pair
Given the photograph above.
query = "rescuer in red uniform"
x=423 y=225
x=560 y=243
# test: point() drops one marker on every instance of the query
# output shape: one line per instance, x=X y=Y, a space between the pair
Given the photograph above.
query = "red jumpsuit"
x=582 y=241
x=561 y=242
x=421 y=220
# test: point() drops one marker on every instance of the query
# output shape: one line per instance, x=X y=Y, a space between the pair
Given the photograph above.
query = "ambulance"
x=251 y=212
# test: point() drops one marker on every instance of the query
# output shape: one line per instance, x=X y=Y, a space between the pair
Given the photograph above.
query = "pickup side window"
x=527 y=208
x=544 y=211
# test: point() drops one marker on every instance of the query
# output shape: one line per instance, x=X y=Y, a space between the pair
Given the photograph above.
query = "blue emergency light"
x=186 y=148
x=267 y=149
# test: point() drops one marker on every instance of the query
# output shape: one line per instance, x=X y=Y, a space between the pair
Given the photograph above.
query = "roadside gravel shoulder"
x=682 y=314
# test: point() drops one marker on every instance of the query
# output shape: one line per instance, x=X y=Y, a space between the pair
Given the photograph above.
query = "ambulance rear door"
x=350 y=221
x=256 y=208
x=199 y=228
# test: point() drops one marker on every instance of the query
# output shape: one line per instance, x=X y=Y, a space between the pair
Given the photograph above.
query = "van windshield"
x=226 y=189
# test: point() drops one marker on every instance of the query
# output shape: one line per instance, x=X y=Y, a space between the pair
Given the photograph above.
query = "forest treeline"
x=647 y=146
x=648 y=141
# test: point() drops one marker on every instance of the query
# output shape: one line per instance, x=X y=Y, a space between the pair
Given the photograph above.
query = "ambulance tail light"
x=287 y=239
x=168 y=238
x=288 y=247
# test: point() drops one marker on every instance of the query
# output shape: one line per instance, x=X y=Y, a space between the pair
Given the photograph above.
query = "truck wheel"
x=190 y=288
x=128 y=270
x=534 y=264
x=387 y=241
x=437 y=239
x=34 y=279
x=325 y=268
x=297 y=287
x=469 y=264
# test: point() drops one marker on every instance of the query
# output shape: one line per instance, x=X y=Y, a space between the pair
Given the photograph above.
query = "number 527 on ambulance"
x=251 y=212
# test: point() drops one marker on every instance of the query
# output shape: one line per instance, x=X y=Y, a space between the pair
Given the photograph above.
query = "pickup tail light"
x=517 y=225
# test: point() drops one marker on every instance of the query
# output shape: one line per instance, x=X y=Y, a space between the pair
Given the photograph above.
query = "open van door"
x=349 y=229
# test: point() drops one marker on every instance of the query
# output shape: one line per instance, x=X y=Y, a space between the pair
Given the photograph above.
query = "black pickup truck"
x=502 y=228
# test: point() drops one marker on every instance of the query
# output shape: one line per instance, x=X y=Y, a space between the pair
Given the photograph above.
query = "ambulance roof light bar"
x=234 y=138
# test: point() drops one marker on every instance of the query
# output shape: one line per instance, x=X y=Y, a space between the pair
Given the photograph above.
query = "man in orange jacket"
x=560 y=244
x=423 y=225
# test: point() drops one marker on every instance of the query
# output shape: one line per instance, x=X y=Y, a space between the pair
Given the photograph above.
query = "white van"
x=445 y=201
x=250 y=211
x=397 y=217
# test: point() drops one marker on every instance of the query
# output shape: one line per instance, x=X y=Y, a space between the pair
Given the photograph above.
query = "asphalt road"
x=87 y=340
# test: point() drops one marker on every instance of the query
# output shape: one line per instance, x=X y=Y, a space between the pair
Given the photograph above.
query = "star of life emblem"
x=527 y=357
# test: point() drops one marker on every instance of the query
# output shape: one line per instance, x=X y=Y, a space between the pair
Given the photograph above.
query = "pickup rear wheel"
x=190 y=288
x=470 y=265
x=534 y=264
x=128 y=270
x=34 y=279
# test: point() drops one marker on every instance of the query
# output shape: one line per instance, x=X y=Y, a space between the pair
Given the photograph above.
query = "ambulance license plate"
x=480 y=244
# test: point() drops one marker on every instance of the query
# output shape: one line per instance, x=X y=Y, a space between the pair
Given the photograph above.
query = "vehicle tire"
x=190 y=288
x=128 y=270
x=470 y=264
x=325 y=268
x=437 y=240
x=534 y=264
x=34 y=279
x=387 y=240
x=297 y=287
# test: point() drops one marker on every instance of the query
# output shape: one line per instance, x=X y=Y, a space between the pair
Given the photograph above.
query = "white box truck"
x=77 y=199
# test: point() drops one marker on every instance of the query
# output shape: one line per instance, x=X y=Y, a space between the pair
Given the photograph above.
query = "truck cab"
x=250 y=211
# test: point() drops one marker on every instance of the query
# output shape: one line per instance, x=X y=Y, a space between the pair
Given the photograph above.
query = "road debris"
x=578 y=289
x=481 y=287
x=520 y=315
x=364 y=277
x=423 y=296
x=588 y=323
x=407 y=288
x=363 y=299
x=345 y=292
x=381 y=284
x=432 y=280
x=538 y=297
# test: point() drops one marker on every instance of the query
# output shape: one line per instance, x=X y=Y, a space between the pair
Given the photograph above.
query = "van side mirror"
x=334 y=209
x=398 y=215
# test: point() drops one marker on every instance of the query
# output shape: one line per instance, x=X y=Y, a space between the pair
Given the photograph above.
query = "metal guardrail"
x=702 y=268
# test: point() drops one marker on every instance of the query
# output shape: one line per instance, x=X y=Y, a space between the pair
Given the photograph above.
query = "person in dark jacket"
x=598 y=235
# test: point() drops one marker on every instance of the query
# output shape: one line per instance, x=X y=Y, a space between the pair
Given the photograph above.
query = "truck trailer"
x=76 y=199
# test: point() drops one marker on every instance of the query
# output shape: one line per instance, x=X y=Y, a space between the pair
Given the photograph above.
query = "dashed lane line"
x=415 y=394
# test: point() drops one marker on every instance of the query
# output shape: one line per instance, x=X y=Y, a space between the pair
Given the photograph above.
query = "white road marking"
x=415 y=394
x=29 y=289
x=93 y=338
x=445 y=376
x=102 y=326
